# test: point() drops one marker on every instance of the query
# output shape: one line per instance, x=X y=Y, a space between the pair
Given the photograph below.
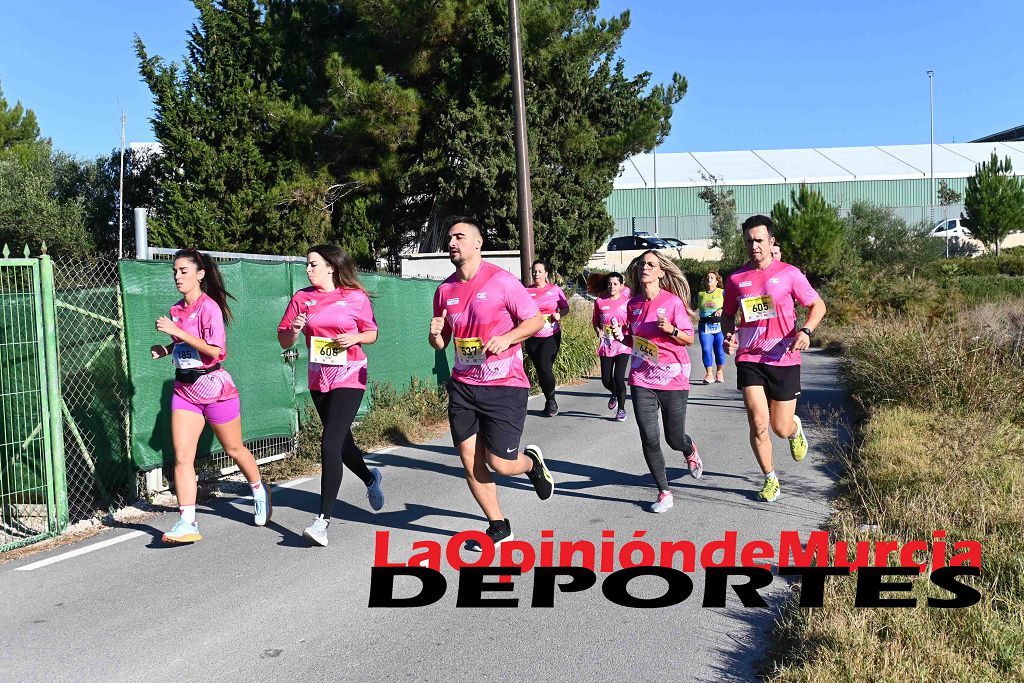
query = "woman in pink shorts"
x=203 y=390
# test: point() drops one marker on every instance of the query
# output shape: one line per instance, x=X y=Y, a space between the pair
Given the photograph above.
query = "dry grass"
x=941 y=455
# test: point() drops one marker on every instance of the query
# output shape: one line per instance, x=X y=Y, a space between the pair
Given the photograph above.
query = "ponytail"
x=212 y=283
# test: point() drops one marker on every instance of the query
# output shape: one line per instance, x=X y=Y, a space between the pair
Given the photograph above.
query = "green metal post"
x=52 y=393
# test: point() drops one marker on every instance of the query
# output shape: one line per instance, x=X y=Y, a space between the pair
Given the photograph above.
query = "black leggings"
x=542 y=352
x=337 y=409
x=672 y=405
x=613 y=376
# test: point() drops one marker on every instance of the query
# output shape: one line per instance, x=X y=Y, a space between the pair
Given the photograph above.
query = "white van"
x=950 y=228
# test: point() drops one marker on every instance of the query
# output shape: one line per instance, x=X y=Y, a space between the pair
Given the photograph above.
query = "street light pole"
x=931 y=153
x=657 y=221
x=524 y=191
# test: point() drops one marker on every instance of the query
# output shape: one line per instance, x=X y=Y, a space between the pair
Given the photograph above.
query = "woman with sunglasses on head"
x=203 y=391
x=661 y=327
x=335 y=315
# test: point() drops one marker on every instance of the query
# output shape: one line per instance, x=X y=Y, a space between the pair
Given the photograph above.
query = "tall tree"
x=32 y=210
x=994 y=202
x=811 y=234
x=233 y=143
x=17 y=124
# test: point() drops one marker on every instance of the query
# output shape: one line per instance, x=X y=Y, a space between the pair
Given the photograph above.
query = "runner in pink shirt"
x=336 y=319
x=203 y=390
x=660 y=326
x=542 y=348
x=488 y=313
x=767 y=344
x=609 y=320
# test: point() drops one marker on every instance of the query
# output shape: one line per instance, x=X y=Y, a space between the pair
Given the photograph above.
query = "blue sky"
x=761 y=74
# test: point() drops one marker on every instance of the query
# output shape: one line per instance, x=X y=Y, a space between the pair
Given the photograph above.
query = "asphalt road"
x=252 y=603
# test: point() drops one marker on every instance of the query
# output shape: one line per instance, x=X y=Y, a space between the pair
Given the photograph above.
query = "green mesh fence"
x=94 y=386
x=254 y=359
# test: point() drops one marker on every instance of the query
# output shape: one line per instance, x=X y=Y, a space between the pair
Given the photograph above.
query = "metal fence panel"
x=31 y=462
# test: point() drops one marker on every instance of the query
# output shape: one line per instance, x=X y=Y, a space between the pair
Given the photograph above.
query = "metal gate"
x=33 y=494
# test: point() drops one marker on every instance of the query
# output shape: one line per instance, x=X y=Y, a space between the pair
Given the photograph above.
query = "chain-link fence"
x=94 y=386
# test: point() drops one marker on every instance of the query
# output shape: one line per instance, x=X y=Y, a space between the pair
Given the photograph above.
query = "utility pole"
x=657 y=220
x=931 y=152
x=120 y=194
x=524 y=191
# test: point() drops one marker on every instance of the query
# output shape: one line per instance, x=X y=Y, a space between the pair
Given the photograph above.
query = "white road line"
x=293 y=483
x=81 y=551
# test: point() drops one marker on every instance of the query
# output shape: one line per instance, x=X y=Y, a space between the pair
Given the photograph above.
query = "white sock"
x=258 y=492
x=188 y=513
x=796 y=422
x=770 y=475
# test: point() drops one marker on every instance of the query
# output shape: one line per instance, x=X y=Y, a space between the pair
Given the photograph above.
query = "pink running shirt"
x=764 y=299
x=658 y=362
x=490 y=303
x=606 y=310
x=205 y=320
x=548 y=299
x=329 y=314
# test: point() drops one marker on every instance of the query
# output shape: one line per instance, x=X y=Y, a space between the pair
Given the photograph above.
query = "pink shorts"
x=215 y=413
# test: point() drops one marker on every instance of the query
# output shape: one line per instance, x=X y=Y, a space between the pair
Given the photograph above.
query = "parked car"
x=673 y=242
x=950 y=228
x=641 y=242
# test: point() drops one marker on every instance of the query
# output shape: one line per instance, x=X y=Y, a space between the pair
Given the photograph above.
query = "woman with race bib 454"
x=335 y=315
x=203 y=391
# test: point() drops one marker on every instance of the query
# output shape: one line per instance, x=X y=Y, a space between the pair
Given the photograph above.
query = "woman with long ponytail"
x=660 y=325
x=203 y=390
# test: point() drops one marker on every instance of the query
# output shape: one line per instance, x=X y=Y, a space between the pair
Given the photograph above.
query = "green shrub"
x=978 y=289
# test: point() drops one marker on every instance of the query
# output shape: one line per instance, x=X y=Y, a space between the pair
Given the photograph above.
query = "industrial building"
x=659 y=193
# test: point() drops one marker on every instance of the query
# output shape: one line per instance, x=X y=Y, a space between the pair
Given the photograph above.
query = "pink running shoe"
x=695 y=463
x=663 y=503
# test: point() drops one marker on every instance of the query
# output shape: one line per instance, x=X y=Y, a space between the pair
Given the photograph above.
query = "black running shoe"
x=539 y=476
x=498 y=531
x=551 y=408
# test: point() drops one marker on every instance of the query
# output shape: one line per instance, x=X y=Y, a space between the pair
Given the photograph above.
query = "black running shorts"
x=780 y=382
x=496 y=413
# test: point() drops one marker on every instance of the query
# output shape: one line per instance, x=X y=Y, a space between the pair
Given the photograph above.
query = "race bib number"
x=326 y=351
x=758 y=308
x=470 y=351
x=185 y=357
x=712 y=328
x=645 y=350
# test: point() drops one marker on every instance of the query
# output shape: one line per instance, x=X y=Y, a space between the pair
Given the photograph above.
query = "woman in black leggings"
x=335 y=316
x=610 y=310
x=543 y=346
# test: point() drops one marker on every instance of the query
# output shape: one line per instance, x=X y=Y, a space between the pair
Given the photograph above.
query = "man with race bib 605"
x=767 y=344
x=488 y=314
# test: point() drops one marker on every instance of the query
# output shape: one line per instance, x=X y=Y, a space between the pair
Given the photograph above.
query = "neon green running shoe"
x=798 y=443
x=771 y=490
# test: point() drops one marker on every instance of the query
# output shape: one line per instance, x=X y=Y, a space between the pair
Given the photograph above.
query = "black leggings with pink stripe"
x=337 y=409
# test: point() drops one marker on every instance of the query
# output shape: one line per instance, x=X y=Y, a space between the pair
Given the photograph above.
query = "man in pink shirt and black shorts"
x=767 y=344
x=488 y=314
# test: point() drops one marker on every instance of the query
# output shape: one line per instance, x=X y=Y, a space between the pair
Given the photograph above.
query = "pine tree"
x=233 y=143
x=811 y=234
x=994 y=202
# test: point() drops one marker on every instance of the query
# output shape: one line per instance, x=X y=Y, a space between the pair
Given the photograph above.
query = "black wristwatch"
x=806 y=330
x=675 y=331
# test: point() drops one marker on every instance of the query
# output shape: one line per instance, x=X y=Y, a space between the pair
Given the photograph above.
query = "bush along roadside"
x=941 y=450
